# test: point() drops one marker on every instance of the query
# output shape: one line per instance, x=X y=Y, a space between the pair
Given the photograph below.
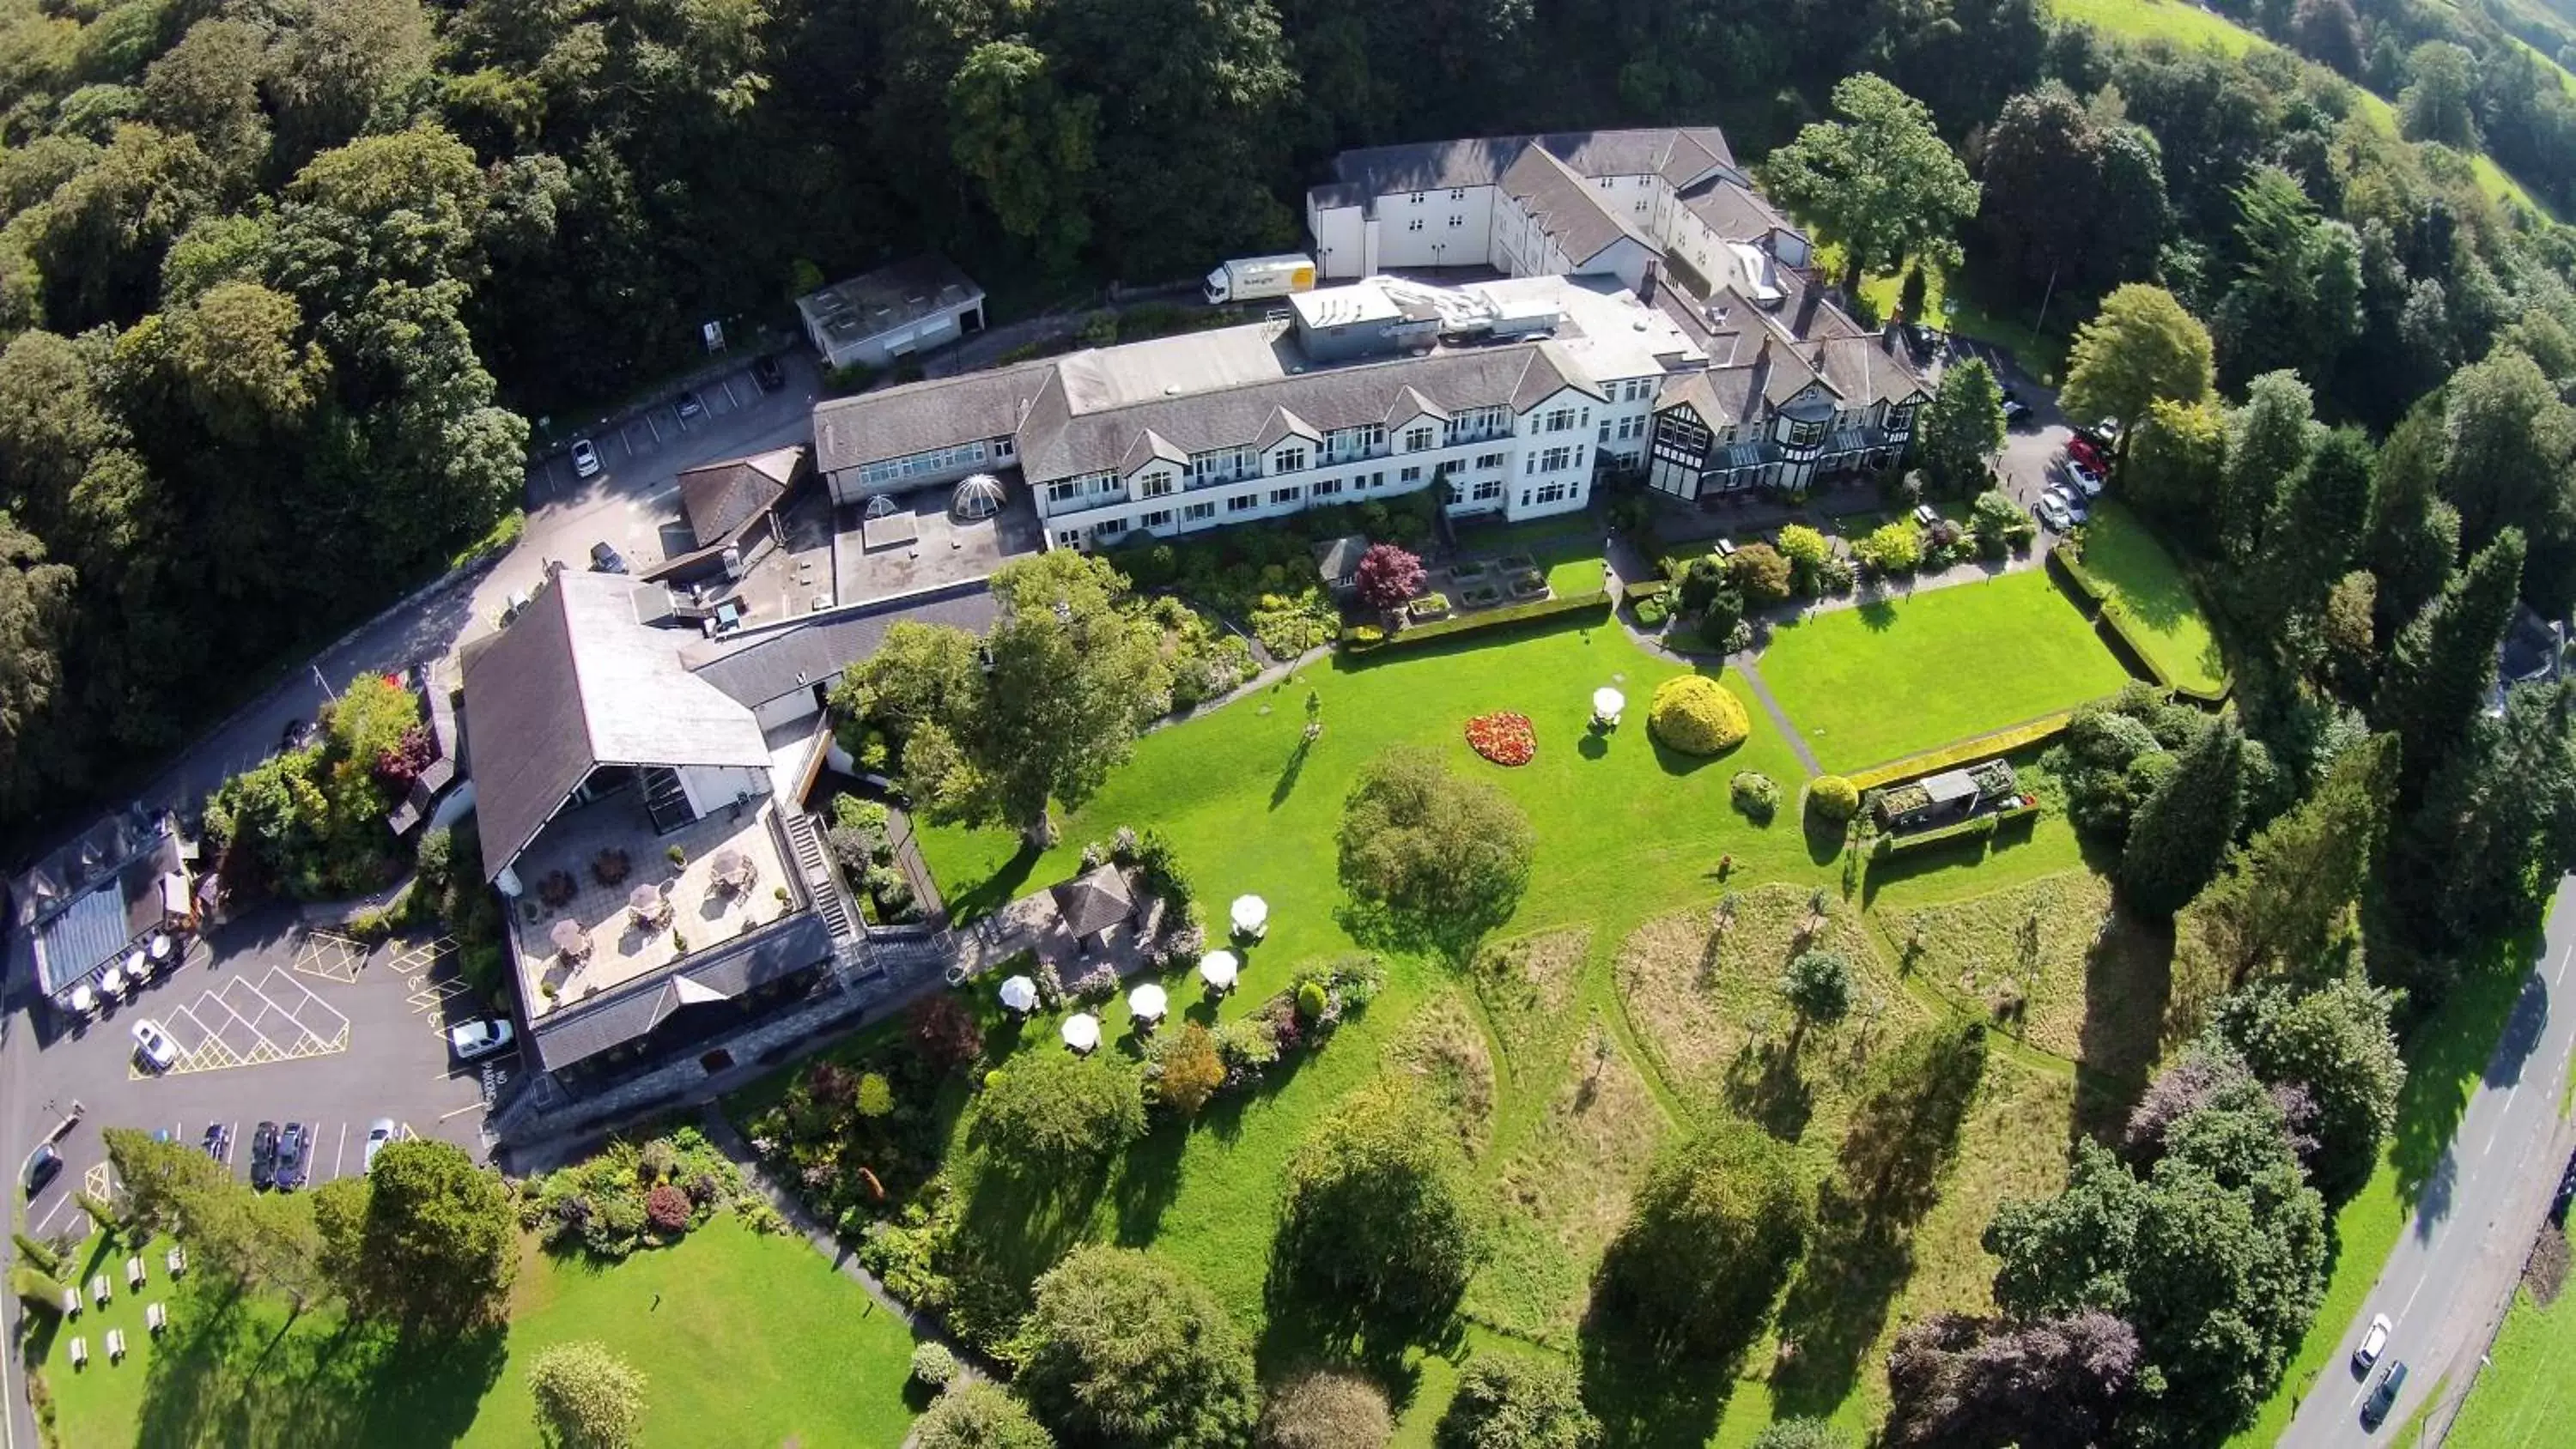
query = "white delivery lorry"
x=1247 y=279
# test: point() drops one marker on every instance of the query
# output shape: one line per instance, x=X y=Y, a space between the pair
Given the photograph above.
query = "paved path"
x=2452 y=1274
x=1746 y=670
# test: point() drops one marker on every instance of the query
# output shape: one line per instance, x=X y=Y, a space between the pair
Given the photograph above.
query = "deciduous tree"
x=1444 y=856
x=436 y=1247
x=1122 y=1349
x=1879 y=182
x=1387 y=576
x=1054 y=1112
x=1711 y=1237
x=1513 y=1401
x=587 y=1397
x=1374 y=1221
x=2142 y=347
x=976 y=1414
x=2334 y=1044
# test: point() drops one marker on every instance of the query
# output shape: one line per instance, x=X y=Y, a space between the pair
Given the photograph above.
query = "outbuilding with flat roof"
x=892 y=312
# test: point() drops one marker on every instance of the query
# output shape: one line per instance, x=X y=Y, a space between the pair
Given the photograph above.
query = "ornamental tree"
x=1124 y=1349
x=1387 y=577
x=1507 y=1401
x=1759 y=572
x=1057 y=1112
x=1186 y=1069
x=975 y=1414
x=2141 y=348
x=1711 y=1237
x=1374 y=1220
x=587 y=1397
x=1818 y=984
x=1440 y=854
x=1878 y=181
x=1326 y=1409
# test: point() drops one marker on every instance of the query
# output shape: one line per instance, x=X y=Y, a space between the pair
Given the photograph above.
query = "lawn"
x=742 y=1338
x=2175 y=20
x=2154 y=598
x=2524 y=1398
x=1894 y=678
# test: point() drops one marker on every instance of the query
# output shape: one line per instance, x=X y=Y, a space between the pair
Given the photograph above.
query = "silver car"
x=585 y=459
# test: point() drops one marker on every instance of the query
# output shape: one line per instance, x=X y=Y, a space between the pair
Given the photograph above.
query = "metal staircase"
x=664 y=799
x=822 y=885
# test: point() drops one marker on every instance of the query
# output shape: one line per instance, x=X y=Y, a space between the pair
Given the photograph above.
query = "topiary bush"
x=1833 y=798
x=1692 y=714
x=933 y=1364
x=1755 y=795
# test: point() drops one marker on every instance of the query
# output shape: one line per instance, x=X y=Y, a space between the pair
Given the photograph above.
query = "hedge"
x=1478 y=619
x=1651 y=589
x=1977 y=829
x=2112 y=612
x=2001 y=742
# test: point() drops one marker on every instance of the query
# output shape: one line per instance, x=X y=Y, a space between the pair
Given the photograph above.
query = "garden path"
x=1752 y=677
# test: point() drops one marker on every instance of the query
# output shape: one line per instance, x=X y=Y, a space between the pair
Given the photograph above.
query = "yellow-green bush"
x=1692 y=714
x=1834 y=798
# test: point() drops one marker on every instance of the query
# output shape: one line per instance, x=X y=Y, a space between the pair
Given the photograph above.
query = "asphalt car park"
x=275 y=1023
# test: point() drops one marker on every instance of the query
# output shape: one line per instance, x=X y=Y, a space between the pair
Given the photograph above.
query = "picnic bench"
x=155 y=1316
x=134 y=1273
x=98 y=1290
x=80 y=1352
x=116 y=1345
x=177 y=1261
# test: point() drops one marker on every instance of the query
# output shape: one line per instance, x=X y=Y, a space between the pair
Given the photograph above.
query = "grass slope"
x=2524 y=1398
x=1889 y=679
x=2164 y=616
x=742 y=1338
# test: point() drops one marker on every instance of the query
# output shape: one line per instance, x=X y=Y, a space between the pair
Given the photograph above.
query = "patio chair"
x=134 y=1273
x=80 y=1352
x=155 y=1317
x=116 y=1345
x=98 y=1292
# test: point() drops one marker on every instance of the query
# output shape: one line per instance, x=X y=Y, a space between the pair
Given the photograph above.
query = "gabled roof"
x=897 y=422
x=1682 y=156
x=1864 y=370
x=754 y=671
x=719 y=499
x=1282 y=425
x=1149 y=446
x=1568 y=207
x=577 y=682
x=1735 y=212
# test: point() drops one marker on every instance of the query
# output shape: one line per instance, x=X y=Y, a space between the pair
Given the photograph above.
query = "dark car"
x=2383 y=1394
x=690 y=405
x=263 y=1156
x=606 y=560
x=42 y=1165
x=294 y=1154
x=2565 y=1195
x=218 y=1142
x=768 y=372
x=297 y=731
x=2016 y=412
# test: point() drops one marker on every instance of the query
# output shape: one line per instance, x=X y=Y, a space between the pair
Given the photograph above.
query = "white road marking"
x=341 y=1151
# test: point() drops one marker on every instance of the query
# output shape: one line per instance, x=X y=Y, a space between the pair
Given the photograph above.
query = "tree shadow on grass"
x=1878 y=615
x=1646 y=1399
x=2470 y=1037
x=1147 y=1179
x=1904 y=1134
x=2129 y=1011
x=994 y=891
x=1764 y=1086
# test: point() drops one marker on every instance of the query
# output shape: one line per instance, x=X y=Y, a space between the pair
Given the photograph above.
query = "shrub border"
x=1479 y=619
x=2111 y=614
x=2000 y=742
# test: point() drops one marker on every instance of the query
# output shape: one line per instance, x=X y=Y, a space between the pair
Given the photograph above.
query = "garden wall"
x=2111 y=616
x=2001 y=742
x=1479 y=619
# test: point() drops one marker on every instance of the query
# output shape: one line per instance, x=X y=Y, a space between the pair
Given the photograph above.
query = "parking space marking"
x=246 y=1023
x=100 y=1182
x=331 y=956
x=417 y=958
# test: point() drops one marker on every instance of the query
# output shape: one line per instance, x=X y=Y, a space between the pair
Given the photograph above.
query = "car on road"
x=218 y=1142
x=379 y=1132
x=42 y=1165
x=2383 y=1394
x=768 y=372
x=690 y=405
x=2084 y=478
x=292 y=738
x=2016 y=412
x=606 y=560
x=294 y=1157
x=585 y=459
x=154 y=1045
x=263 y=1156
x=2373 y=1343
x=2053 y=513
x=2566 y=1192
x=480 y=1037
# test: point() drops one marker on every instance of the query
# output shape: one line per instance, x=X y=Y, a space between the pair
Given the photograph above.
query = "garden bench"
x=156 y=1317
x=177 y=1261
x=134 y=1273
x=98 y=1289
x=71 y=1303
x=116 y=1345
x=80 y=1352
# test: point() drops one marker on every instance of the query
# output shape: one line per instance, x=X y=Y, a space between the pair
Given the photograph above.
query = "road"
x=2453 y=1272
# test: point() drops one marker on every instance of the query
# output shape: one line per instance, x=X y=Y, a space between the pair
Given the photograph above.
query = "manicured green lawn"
x=1886 y=680
x=2162 y=613
x=742 y=1338
x=2524 y=1397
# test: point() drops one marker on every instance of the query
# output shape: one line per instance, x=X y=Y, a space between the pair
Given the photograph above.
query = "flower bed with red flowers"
x=1503 y=737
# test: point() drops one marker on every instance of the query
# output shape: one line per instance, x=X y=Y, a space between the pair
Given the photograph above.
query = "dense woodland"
x=284 y=279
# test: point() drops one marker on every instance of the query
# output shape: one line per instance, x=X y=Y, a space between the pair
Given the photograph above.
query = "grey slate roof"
x=585 y=1028
x=719 y=499
x=1736 y=213
x=1095 y=901
x=754 y=672
x=1680 y=155
x=577 y=682
x=1568 y=207
x=98 y=924
x=897 y=422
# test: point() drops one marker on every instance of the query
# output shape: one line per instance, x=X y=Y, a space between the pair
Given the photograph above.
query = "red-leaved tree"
x=1387 y=576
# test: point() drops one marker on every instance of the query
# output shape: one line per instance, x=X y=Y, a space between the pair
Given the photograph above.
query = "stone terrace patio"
x=620 y=951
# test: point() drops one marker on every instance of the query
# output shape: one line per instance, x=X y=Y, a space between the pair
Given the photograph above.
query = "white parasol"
x=1082 y=1031
x=1218 y=969
x=82 y=1001
x=1608 y=702
x=1147 y=1002
x=1019 y=994
x=1251 y=915
x=112 y=981
x=138 y=965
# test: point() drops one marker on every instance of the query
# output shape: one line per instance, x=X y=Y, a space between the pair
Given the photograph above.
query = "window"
x=1327 y=487
x=1416 y=223
x=1488 y=460
x=941 y=460
x=1155 y=484
x=1607 y=183
x=1488 y=488
x=1410 y=475
x=1457 y=193
x=1004 y=447
x=1159 y=518
x=1289 y=460
x=1557 y=421
x=1198 y=512
x=1417 y=439
x=1477 y=424
x=1553 y=459
x=1680 y=432
x=1900 y=419
x=1069 y=538
x=1457 y=493
x=1345 y=443
x=1065 y=491
x=1641 y=206
x=1605 y=431
x=1806 y=435
x=1243 y=503
x=1285 y=495
x=1223 y=465
x=1414 y=200
x=1457 y=221
x=1550 y=493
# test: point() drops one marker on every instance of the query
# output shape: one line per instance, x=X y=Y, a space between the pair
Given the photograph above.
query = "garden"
x=2150 y=601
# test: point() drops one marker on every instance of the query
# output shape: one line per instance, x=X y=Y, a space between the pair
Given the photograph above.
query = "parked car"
x=768 y=372
x=2084 y=478
x=585 y=459
x=1921 y=340
x=2372 y=1343
x=2053 y=513
x=480 y=1037
x=2070 y=500
x=2103 y=434
x=42 y=1165
x=379 y=1132
x=263 y=1156
x=293 y=737
x=606 y=560
x=690 y=405
x=218 y=1142
x=2086 y=454
x=294 y=1157
x=2383 y=1394
x=2016 y=412
x=155 y=1046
